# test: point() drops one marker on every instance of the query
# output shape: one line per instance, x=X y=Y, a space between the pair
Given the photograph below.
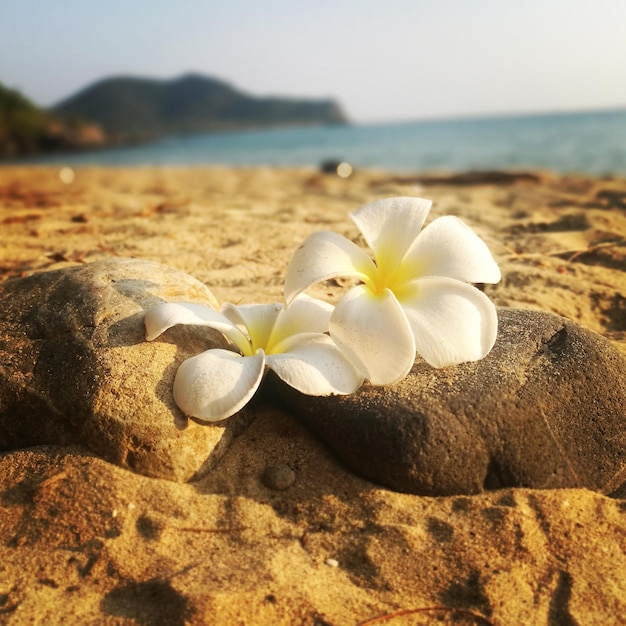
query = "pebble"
x=278 y=477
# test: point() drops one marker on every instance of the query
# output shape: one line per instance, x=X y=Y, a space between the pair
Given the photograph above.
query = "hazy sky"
x=382 y=59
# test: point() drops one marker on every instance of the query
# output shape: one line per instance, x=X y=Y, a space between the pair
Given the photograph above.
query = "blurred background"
x=401 y=84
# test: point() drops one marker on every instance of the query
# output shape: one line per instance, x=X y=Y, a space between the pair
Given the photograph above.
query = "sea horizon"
x=588 y=141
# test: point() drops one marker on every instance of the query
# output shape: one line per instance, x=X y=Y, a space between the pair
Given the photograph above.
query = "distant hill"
x=23 y=125
x=146 y=108
x=25 y=128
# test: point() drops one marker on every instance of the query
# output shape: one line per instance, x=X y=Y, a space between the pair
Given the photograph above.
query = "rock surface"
x=545 y=409
x=76 y=368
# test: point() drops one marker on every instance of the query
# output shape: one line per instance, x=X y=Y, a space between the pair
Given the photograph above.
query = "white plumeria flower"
x=289 y=340
x=413 y=295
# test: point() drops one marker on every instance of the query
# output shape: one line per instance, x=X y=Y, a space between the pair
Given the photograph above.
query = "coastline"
x=81 y=537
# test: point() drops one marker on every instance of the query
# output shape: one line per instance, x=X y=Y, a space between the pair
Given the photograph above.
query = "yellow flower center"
x=381 y=280
x=391 y=274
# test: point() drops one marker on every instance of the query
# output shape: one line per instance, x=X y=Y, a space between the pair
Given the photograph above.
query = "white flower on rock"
x=289 y=340
x=413 y=296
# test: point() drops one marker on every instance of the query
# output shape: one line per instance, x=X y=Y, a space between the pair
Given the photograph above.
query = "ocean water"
x=590 y=142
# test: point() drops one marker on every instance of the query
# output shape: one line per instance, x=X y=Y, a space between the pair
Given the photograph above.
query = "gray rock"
x=76 y=369
x=545 y=409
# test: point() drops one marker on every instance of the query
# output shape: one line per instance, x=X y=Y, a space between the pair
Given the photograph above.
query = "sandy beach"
x=83 y=541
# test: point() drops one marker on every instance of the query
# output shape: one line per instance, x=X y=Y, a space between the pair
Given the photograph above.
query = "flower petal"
x=303 y=315
x=374 y=333
x=325 y=255
x=316 y=368
x=217 y=383
x=390 y=227
x=448 y=247
x=453 y=322
x=256 y=320
x=163 y=316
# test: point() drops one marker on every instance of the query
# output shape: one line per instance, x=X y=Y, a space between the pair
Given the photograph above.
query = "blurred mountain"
x=142 y=108
x=25 y=128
